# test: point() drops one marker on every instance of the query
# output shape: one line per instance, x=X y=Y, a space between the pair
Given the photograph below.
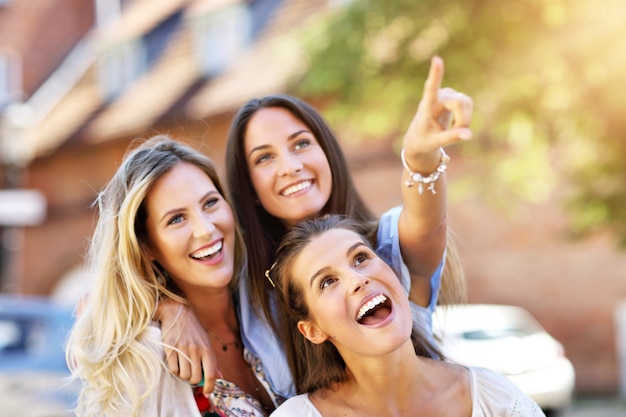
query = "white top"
x=493 y=395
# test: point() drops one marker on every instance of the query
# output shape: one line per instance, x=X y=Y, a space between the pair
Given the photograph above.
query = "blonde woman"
x=165 y=228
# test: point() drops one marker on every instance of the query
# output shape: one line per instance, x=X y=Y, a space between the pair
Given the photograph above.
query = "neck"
x=215 y=311
x=398 y=384
x=387 y=385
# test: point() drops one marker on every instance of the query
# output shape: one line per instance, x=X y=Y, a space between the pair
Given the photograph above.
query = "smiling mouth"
x=295 y=188
x=208 y=252
x=375 y=310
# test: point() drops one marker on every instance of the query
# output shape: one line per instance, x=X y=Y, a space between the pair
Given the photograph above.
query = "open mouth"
x=209 y=252
x=374 y=311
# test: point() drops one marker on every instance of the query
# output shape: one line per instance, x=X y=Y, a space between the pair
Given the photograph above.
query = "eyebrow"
x=179 y=209
x=326 y=268
x=290 y=137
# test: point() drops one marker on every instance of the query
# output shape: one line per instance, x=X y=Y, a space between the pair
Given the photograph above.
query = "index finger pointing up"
x=433 y=82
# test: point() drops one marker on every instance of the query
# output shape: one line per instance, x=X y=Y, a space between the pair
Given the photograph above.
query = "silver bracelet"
x=415 y=177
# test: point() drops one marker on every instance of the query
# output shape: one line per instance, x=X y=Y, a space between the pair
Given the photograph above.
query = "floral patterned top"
x=174 y=397
x=228 y=400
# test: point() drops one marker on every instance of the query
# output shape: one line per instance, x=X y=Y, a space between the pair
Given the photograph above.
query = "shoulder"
x=300 y=405
x=494 y=394
x=152 y=337
x=387 y=238
x=388 y=222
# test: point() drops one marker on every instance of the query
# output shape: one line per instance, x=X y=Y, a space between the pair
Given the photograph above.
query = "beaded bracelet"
x=415 y=177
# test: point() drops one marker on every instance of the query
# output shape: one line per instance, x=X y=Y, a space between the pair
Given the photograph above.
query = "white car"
x=508 y=340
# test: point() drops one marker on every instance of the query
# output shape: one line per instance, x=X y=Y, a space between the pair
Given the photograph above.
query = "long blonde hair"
x=107 y=348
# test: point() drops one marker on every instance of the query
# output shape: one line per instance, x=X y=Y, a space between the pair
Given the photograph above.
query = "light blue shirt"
x=388 y=248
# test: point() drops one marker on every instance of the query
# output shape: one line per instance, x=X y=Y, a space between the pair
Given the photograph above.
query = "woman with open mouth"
x=351 y=342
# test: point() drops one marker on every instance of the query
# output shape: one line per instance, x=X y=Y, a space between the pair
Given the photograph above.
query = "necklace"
x=225 y=345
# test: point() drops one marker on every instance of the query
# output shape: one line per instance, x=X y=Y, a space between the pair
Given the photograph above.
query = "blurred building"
x=39 y=41
x=79 y=80
x=84 y=78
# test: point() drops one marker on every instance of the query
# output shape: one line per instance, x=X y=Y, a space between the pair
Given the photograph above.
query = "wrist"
x=425 y=180
x=422 y=162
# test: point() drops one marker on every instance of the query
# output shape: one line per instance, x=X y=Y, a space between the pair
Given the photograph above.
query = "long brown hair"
x=316 y=366
x=263 y=231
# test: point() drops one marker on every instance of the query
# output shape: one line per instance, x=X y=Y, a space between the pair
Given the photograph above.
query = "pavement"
x=596 y=407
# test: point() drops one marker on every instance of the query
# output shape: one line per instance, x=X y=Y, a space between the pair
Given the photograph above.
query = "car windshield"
x=20 y=335
x=501 y=333
x=483 y=323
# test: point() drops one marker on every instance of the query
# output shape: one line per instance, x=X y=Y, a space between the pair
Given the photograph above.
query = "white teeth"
x=299 y=187
x=379 y=299
x=208 y=251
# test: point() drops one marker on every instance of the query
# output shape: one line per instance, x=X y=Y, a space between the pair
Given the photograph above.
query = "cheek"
x=326 y=179
x=327 y=313
x=229 y=231
x=162 y=250
x=261 y=181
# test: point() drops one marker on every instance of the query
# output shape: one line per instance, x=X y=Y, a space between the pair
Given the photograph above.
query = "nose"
x=203 y=226
x=290 y=166
x=360 y=281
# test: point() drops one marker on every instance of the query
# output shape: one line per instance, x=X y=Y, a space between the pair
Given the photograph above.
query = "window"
x=10 y=82
x=124 y=63
x=120 y=66
x=220 y=36
x=156 y=39
x=20 y=335
x=107 y=11
x=4 y=80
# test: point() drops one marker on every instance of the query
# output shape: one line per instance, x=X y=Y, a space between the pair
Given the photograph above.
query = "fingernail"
x=465 y=134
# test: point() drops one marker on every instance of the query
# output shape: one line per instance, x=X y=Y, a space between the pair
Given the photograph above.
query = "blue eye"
x=263 y=158
x=211 y=202
x=301 y=144
x=175 y=219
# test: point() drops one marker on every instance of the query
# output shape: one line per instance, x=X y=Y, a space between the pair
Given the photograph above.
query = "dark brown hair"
x=263 y=231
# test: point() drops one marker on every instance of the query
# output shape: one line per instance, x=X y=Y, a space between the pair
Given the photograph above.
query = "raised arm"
x=188 y=350
x=442 y=118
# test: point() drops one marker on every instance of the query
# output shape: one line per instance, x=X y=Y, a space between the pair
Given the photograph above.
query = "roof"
x=174 y=84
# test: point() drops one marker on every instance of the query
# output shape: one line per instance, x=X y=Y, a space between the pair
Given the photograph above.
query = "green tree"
x=547 y=77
